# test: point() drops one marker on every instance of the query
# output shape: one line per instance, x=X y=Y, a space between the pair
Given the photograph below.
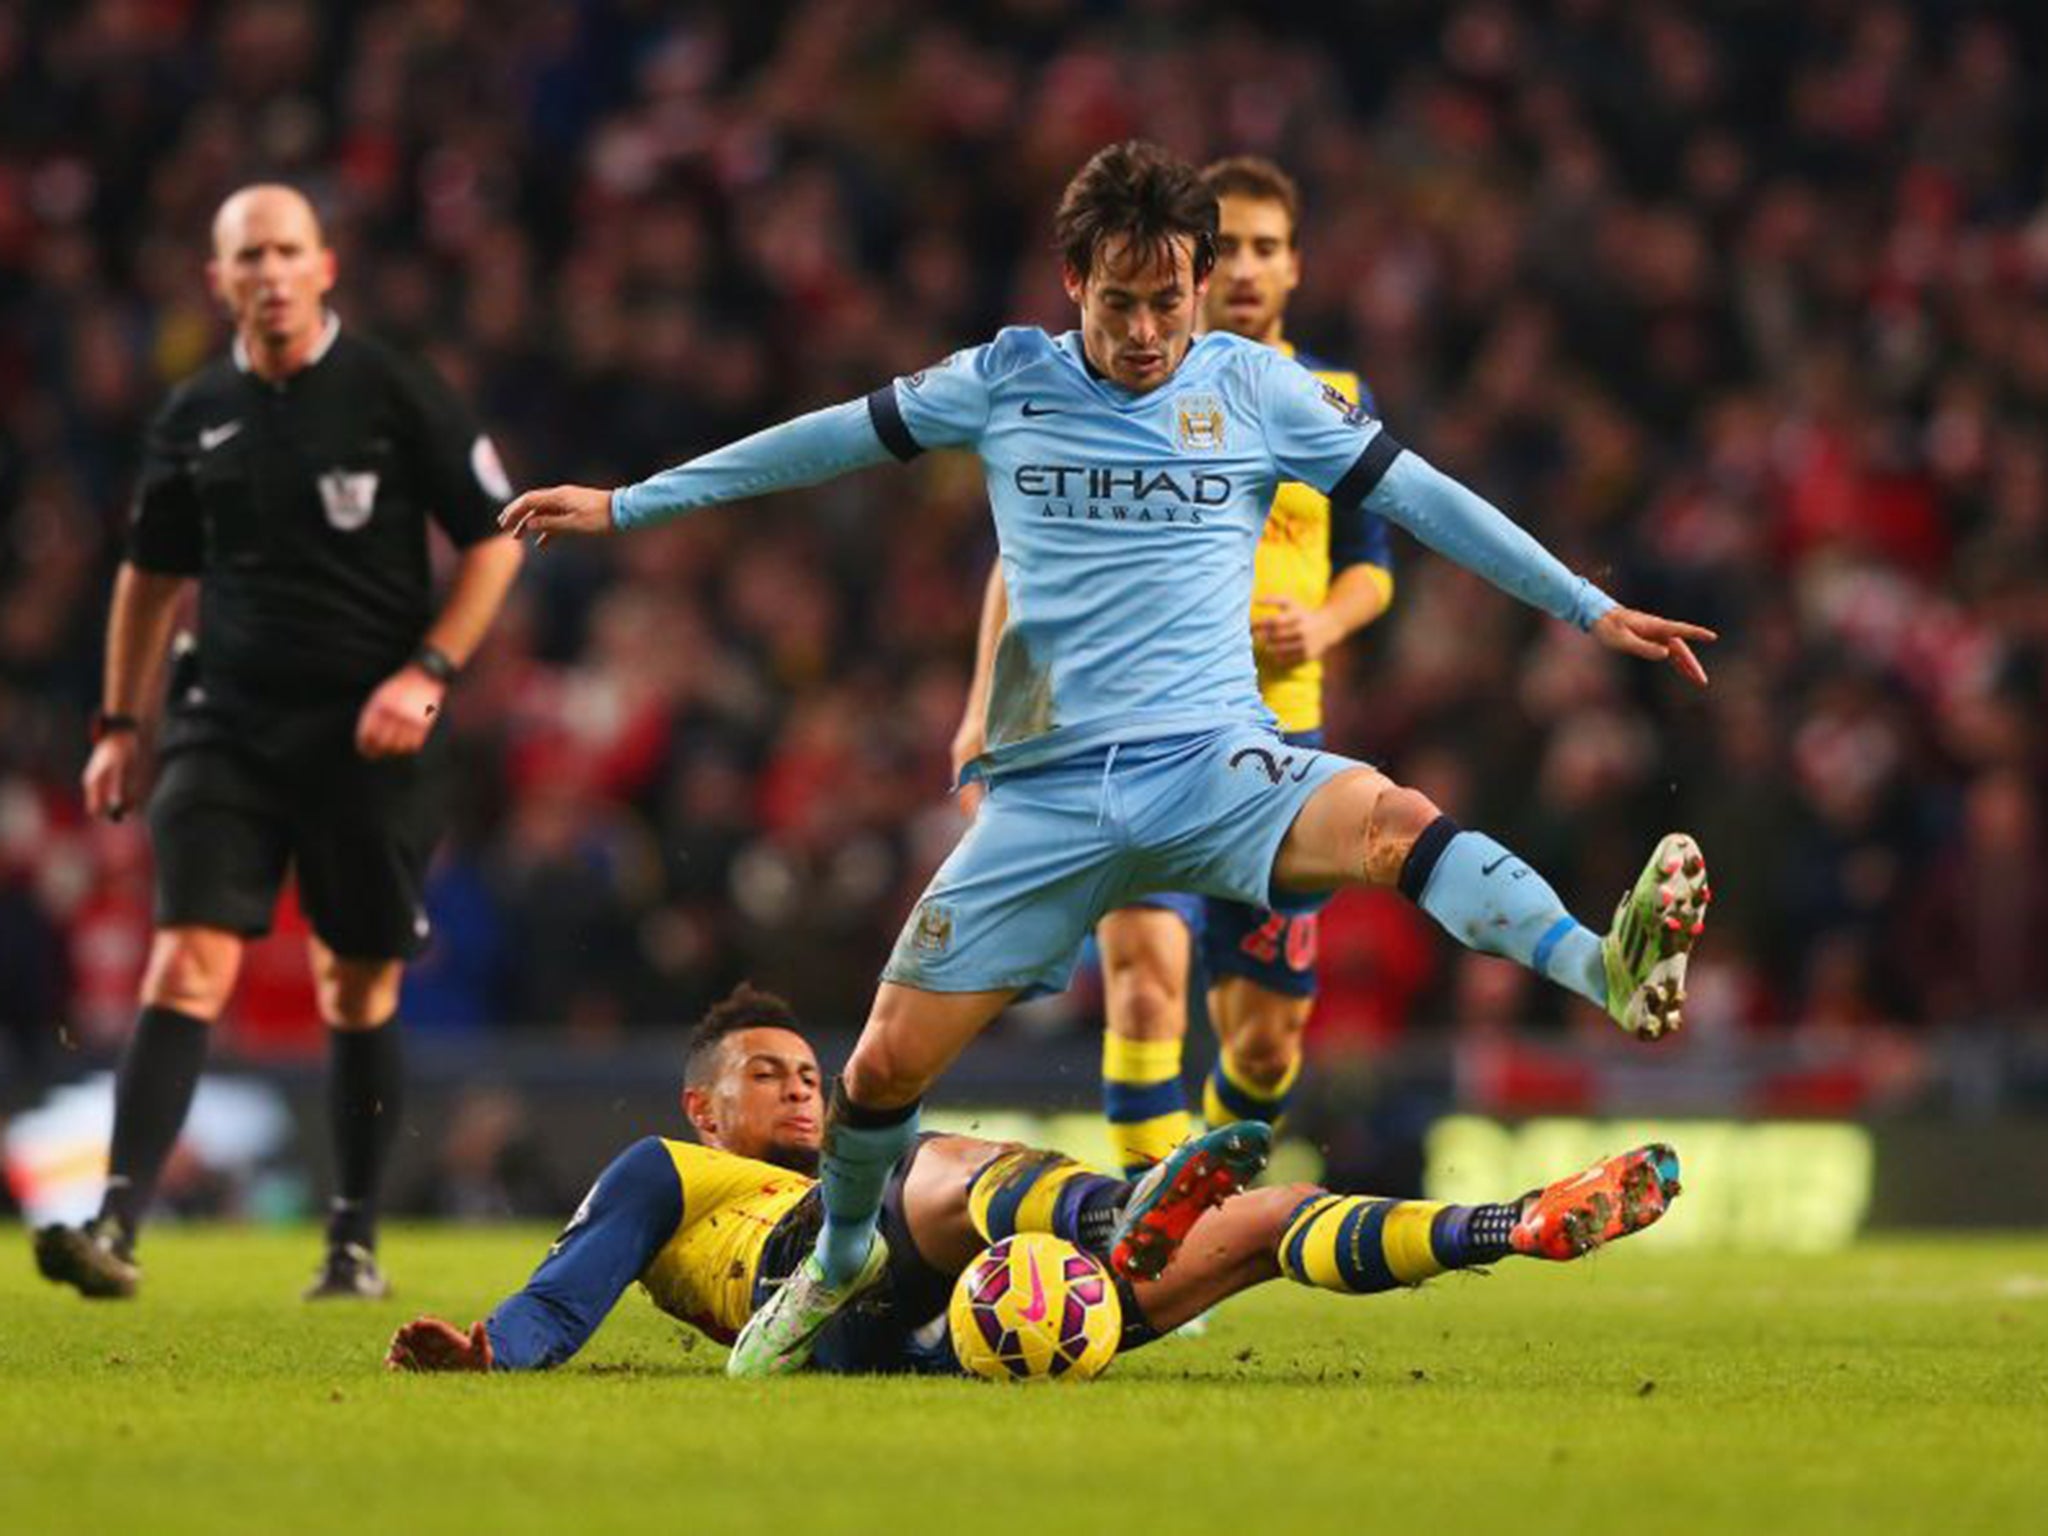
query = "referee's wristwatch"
x=434 y=661
x=105 y=724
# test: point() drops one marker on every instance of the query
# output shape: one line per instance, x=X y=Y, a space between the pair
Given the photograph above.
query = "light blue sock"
x=1489 y=900
x=861 y=1146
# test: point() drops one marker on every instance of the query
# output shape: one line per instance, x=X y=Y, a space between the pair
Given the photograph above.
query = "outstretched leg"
x=1362 y=828
x=1361 y=1245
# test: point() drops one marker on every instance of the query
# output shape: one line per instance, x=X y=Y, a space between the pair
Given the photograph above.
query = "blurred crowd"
x=1743 y=308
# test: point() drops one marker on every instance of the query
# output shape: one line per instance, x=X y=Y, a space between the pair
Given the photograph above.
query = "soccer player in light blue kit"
x=1130 y=465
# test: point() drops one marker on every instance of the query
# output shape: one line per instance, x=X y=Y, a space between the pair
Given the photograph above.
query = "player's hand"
x=1285 y=634
x=560 y=509
x=968 y=744
x=1655 y=639
x=397 y=719
x=112 y=776
x=429 y=1344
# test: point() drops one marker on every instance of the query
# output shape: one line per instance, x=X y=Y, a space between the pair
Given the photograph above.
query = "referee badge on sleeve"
x=489 y=469
x=349 y=496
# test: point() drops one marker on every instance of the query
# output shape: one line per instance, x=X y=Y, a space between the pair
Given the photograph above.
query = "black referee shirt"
x=303 y=507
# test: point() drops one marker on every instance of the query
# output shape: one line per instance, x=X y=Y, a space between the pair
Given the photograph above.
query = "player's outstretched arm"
x=629 y=1214
x=1320 y=437
x=581 y=510
x=1654 y=639
x=814 y=448
x=1464 y=526
x=431 y=1344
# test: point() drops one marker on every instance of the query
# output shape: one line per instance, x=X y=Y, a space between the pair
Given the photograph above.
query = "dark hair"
x=1139 y=193
x=1256 y=177
x=747 y=1007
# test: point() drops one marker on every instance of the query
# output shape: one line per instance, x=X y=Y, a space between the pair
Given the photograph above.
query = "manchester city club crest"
x=933 y=931
x=1198 y=423
x=348 y=498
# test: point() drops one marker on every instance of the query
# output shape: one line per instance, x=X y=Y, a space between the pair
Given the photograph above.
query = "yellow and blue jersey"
x=689 y=1223
x=1302 y=550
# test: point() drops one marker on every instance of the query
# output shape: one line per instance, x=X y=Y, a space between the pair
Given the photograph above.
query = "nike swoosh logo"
x=1042 y=410
x=1035 y=1312
x=211 y=438
x=1487 y=869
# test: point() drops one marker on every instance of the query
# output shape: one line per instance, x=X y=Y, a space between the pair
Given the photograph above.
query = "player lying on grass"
x=710 y=1230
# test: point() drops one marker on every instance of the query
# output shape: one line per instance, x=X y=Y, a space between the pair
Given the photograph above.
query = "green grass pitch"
x=1899 y=1386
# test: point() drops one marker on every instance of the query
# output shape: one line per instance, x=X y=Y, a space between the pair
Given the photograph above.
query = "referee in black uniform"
x=295 y=480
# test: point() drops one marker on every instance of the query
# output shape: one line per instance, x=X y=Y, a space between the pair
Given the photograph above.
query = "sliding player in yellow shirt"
x=709 y=1228
x=1316 y=580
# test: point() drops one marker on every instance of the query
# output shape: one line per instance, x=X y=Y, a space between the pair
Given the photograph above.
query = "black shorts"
x=228 y=823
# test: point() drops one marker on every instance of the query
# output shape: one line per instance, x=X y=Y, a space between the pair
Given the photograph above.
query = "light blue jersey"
x=1128 y=523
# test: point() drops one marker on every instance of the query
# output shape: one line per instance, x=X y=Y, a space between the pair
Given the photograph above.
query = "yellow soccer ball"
x=1035 y=1308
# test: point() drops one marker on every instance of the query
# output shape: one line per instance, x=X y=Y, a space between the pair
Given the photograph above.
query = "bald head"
x=271 y=206
x=272 y=270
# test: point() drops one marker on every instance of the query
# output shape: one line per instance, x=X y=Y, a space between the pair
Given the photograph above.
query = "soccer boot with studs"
x=780 y=1336
x=1611 y=1199
x=1201 y=1172
x=95 y=1259
x=1654 y=930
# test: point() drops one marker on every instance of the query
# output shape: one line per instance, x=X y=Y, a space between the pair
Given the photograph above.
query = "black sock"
x=1096 y=1221
x=1486 y=1232
x=152 y=1095
x=1422 y=856
x=362 y=1099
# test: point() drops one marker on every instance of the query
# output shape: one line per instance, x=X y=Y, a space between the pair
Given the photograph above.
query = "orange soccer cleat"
x=1611 y=1199
x=1201 y=1172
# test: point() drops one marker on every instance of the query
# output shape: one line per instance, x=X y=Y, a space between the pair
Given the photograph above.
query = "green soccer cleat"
x=779 y=1338
x=94 y=1259
x=1655 y=928
x=1201 y=1172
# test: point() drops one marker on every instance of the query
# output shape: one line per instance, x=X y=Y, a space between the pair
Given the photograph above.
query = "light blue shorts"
x=1054 y=848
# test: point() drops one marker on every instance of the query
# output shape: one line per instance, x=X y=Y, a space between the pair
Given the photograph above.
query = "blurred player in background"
x=295 y=480
x=1130 y=466
x=709 y=1230
x=1318 y=577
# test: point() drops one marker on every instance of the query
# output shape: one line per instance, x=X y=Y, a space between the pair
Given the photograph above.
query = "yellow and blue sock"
x=1359 y=1244
x=1229 y=1095
x=1489 y=900
x=861 y=1146
x=1027 y=1189
x=1142 y=1099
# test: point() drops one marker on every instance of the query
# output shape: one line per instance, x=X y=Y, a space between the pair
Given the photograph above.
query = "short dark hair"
x=1256 y=177
x=745 y=1007
x=1139 y=193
